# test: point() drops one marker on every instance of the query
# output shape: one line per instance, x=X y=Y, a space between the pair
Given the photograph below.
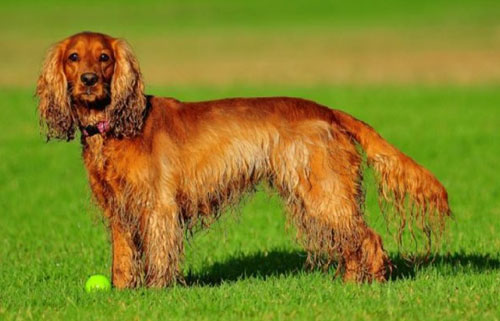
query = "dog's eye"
x=73 y=57
x=103 y=57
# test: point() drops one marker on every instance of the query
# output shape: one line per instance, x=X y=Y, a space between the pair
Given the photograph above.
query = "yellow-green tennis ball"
x=97 y=283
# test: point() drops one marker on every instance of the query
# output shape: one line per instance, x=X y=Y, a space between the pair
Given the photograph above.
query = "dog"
x=158 y=167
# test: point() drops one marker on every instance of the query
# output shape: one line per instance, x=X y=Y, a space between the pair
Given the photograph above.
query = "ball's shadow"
x=289 y=263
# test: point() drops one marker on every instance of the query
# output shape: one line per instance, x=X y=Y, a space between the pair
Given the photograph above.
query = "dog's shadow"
x=289 y=263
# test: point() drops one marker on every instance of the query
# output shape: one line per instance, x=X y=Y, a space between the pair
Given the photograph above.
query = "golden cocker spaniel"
x=158 y=166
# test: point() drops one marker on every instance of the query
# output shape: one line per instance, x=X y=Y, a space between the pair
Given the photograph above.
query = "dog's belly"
x=221 y=166
x=230 y=158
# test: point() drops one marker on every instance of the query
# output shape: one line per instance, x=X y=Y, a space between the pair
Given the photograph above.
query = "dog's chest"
x=115 y=169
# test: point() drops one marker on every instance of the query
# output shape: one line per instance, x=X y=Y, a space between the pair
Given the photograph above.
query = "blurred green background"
x=286 y=42
x=425 y=74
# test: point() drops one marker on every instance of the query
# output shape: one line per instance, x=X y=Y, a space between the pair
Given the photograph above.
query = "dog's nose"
x=89 y=78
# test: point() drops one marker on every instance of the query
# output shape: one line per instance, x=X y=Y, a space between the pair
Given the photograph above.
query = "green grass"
x=247 y=266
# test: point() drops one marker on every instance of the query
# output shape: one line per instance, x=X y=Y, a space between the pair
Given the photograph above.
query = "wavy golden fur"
x=158 y=166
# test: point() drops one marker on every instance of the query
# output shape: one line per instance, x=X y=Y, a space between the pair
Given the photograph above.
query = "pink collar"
x=91 y=130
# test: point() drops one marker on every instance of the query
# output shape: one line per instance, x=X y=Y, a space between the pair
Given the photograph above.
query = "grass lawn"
x=247 y=265
x=425 y=74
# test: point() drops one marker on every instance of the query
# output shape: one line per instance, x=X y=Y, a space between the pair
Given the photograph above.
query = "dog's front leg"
x=162 y=241
x=126 y=267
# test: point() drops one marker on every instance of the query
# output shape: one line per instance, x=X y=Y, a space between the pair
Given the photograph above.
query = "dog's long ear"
x=54 y=106
x=128 y=103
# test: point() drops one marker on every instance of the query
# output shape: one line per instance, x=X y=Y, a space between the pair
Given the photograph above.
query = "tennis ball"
x=97 y=283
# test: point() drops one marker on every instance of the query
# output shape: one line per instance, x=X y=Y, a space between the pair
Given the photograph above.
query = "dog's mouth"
x=90 y=94
x=97 y=97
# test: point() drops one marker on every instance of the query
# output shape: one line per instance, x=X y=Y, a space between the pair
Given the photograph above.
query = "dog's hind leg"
x=323 y=194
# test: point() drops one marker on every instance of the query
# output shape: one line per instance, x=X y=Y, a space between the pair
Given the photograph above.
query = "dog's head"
x=90 y=78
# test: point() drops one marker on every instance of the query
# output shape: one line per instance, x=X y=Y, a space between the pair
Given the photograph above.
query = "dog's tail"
x=409 y=194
